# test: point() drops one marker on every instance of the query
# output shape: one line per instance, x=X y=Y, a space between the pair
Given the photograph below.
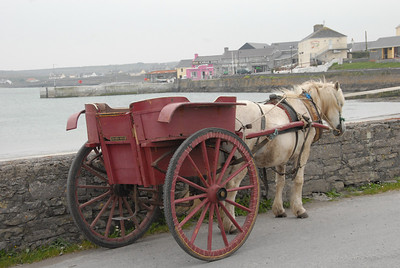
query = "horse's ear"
x=337 y=86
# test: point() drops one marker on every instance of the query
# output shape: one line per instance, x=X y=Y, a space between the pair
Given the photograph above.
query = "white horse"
x=309 y=100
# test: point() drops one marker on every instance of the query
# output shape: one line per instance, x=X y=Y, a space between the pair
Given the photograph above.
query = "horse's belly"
x=277 y=151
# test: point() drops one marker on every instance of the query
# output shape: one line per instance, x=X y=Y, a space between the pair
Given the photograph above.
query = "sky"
x=45 y=34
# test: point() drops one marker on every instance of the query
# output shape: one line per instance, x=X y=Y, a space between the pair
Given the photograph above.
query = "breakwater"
x=33 y=208
x=351 y=81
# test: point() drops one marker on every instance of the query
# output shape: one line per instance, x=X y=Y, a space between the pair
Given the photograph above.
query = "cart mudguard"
x=168 y=110
x=72 y=122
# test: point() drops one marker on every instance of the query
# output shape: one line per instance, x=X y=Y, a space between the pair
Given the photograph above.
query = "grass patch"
x=57 y=248
x=364 y=65
x=366 y=189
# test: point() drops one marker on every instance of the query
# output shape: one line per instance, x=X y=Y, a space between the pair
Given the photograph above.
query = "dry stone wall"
x=33 y=209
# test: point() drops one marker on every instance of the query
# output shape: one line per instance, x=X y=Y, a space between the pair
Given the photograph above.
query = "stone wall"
x=33 y=209
x=351 y=81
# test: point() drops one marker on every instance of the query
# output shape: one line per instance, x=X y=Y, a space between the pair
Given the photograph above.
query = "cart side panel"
x=186 y=120
x=91 y=124
x=119 y=147
x=157 y=160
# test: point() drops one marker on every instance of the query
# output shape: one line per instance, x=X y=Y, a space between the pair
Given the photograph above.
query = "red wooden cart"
x=114 y=186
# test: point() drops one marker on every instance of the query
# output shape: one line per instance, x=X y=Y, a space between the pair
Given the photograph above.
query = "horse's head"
x=333 y=102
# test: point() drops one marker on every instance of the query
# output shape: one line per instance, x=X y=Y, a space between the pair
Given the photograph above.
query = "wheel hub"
x=222 y=194
x=122 y=190
x=216 y=193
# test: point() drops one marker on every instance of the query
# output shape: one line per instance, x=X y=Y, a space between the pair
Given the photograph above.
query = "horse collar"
x=313 y=110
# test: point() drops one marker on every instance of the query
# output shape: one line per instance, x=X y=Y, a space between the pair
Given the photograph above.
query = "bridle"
x=319 y=111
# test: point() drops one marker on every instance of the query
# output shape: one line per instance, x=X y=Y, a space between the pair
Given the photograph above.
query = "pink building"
x=202 y=68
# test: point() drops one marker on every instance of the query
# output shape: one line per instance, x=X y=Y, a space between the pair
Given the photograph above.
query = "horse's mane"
x=307 y=86
x=315 y=89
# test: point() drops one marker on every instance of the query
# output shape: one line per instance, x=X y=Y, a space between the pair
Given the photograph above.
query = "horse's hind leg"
x=277 y=206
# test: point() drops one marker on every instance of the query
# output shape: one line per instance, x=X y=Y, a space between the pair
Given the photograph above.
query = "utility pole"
x=233 y=68
x=54 y=77
x=291 y=59
x=366 y=42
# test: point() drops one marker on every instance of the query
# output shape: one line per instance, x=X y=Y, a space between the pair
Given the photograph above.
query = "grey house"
x=385 y=48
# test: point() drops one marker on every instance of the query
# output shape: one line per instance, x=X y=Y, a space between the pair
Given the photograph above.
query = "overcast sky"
x=37 y=34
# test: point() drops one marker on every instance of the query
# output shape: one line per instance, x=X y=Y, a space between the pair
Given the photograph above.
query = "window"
x=194 y=74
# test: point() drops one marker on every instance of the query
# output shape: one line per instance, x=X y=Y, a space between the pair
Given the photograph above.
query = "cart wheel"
x=109 y=215
x=223 y=211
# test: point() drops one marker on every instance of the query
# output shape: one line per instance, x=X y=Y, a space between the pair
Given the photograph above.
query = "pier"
x=376 y=93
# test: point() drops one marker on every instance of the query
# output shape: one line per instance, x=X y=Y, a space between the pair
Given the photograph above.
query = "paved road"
x=352 y=232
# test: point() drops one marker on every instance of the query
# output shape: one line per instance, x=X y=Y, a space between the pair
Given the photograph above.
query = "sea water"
x=31 y=126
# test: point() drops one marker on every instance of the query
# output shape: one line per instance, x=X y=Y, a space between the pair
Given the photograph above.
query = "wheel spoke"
x=133 y=216
x=101 y=212
x=121 y=214
x=193 y=212
x=93 y=186
x=230 y=217
x=234 y=174
x=189 y=198
x=210 y=227
x=226 y=164
x=216 y=158
x=238 y=205
x=221 y=227
x=110 y=217
x=240 y=188
x=95 y=199
x=206 y=161
x=194 y=185
x=199 y=222
x=198 y=171
x=94 y=172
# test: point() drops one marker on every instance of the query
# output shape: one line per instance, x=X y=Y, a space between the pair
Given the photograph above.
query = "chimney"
x=226 y=49
x=398 y=30
x=318 y=27
x=196 y=55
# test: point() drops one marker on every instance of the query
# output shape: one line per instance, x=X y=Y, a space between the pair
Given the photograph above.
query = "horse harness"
x=293 y=117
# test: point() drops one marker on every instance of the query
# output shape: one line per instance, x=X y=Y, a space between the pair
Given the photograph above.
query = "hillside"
x=85 y=75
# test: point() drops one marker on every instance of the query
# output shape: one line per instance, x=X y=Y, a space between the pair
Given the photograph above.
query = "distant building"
x=322 y=46
x=254 y=46
x=384 y=48
x=32 y=80
x=252 y=60
x=5 y=81
x=163 y=76
x=181 y=68
x=202 y=67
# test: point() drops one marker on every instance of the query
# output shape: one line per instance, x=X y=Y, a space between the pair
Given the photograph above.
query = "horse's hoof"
x=283 y=215
x=233 y=230
x=303 y=216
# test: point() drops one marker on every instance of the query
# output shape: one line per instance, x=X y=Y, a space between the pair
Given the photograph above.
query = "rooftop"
x=324 y=32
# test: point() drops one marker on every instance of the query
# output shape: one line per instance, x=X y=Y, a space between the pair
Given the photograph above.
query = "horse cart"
x=166 y=153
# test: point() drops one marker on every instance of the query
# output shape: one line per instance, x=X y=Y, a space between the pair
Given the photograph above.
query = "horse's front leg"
x=277 y=206
x=296 y=202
